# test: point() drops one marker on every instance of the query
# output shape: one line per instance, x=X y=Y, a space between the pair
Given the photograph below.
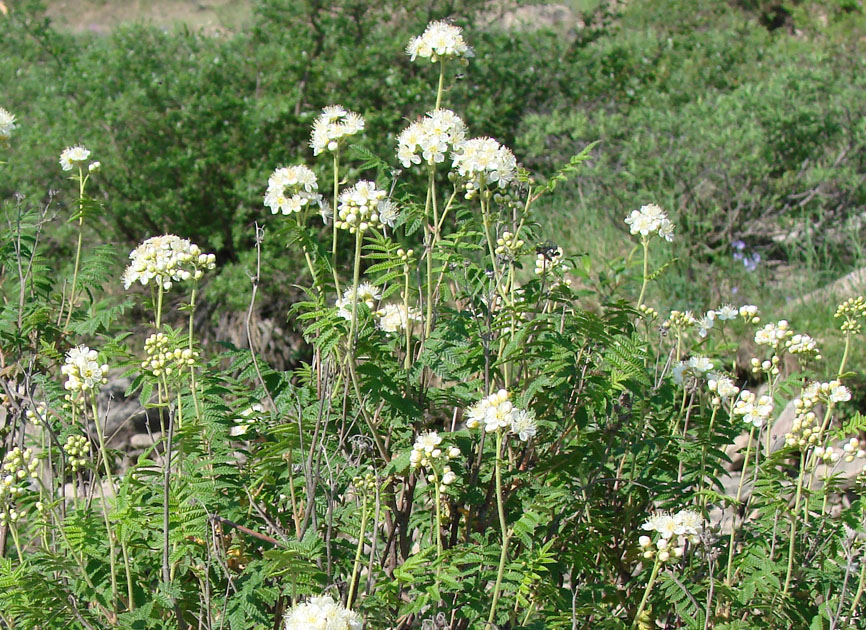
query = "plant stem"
x=728 y=572
x=441 y=87
x=334 y=220
x=645 y=243
x=503 y=526
x=355 y=566
x=356 y=276
x=794 y=518
x=192 y=386
x=646 y=593
x=82 y=181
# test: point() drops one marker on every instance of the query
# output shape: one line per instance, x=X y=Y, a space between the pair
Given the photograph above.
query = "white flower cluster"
x=359 y=207
x=680 y=320
x=754 y=409
x=508 y=245
x=852 y=309
x=674 y=531
x=334 y=125
x=73 y=156
x=805 y=429
x=18 y=467
x=429 y=138
x=292 y=188
x=162 y=358
x=7 y=124
x=165 y=260
x=483 y=161
x=440 y=40
x=322 y=613
x=695 y=367
x=394 y=317
x=426 y=453
x=77 y=449
x=708 y=321
x=367 y=294
x=723 y=388
x=246 y=418
x=650 y=219
x=83 y=371
x=803 y=344
x=773 y=334
x=498 y=412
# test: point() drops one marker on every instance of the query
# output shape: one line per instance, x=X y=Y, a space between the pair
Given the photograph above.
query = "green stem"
x=857 y=596
x=503 y=556
x=14 y=531
x=441 y=87
x=728 y=572
x=486 y=220
x=438 y=532
x=334 y=220
x=193 y=388
x=646 y=593
x=702 y=498
x=844 y=354
x=82 y=181
x=408 y=358
x=431 y=200
x=645 y=243
x=358 y=550
x=158 y=320
x=794 y=517
x=356 y=276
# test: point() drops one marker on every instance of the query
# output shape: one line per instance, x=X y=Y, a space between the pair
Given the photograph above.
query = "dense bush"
x=470 y=444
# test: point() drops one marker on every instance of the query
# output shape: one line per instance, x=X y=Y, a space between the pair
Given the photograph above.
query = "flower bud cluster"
x=429 y=138
x=768 y=366
x=650 y=219
x=7 y=124
x=482 y=162
x=19 y=466
x=392 y=318
x=322 y=613
x=773 y=334
x=723 y=388
x=162 y=358
x=367 y=294
x=680 y=321
x=440 y=40
x=695 y=367
x=508 y=245
x=365 y=483
x=749 y=313
x=674 y=532
x=853 y=449
x=165 y=260
x=77 y=449
x=291 y=189
x=405 y=255
x=754 y=409
x=359 y=207
x=548 y=260
x=83 y=372
x=332 y=127
x=36 y=415
x=825 y=454
x=427 y=452
x=497 y=412
x=852 y=309
x=647 y=312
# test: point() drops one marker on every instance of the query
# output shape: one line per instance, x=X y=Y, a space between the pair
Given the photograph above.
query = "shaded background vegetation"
x=743 y=119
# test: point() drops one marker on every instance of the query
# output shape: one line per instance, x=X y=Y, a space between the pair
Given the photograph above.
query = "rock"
x=144 y=440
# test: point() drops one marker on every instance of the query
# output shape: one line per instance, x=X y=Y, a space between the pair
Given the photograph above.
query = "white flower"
x=359 y=207
x=749 y=313
x=388 y=212
x=726 y=313
x=523 y=424
x=73 y=156
x=755 y=411
x=322 y=613
x=165 y=260
x=838 y=392
x=290 y=189
x=427 y=442
x=393 y=317
x=334 y=125
x=83 y=371
x=7 y=124
x=722 y=385
x=700 y=364
x=773 y=334
x=440 y=40
x=706 y=323
x=430 y=138
x=650 y=219
x=495 y=412
x=483 y=161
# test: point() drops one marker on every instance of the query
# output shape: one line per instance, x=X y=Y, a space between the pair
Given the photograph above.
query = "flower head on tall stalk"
x=322 y=613
x=483 y=162
x=439 y=41
x=7 y=125
x=164 y=260
x=71 y=157
x=333 y=126
x=430 y=138
x=650 y=220
x=84 y=374
x=291 y=189
x=359 y=207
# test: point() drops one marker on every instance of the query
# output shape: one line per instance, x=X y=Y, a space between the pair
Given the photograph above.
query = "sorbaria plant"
x=466 y=445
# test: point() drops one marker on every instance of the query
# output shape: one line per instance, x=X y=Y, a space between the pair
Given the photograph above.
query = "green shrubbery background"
x=743 y=119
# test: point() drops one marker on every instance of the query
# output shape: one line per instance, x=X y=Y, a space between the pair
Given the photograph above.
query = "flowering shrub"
x=466 y=445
